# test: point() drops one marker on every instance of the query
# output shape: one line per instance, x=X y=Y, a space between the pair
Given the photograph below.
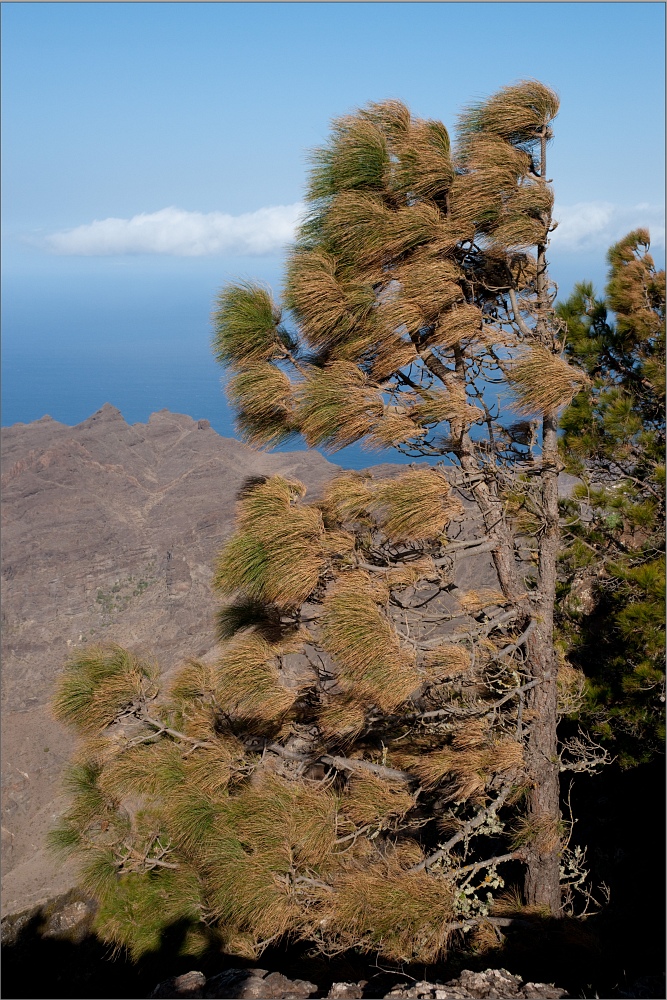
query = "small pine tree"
x=375 y=738
x=614 y=440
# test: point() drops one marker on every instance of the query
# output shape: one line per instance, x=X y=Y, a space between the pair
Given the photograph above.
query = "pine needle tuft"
x=364 y=644
x=98 y=683
x=543 y=382
x=416 y=505
x=246 y=325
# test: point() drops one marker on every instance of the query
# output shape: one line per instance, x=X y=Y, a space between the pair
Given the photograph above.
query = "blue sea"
x=70 y=386
x=136 y=338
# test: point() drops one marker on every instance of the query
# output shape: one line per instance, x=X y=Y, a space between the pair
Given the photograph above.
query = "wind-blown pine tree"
x=375 y=738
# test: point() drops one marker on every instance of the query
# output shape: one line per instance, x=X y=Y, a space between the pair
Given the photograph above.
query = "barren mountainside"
x=110 y=532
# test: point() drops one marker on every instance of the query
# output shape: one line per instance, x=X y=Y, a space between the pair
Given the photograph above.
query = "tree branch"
x=467 y=828
x=345 y=764
x=477 y=710
x=476 y=545
x=352 y=764
x=525 y=330
x=512 y=648
x=172 y=732
x=512 y=856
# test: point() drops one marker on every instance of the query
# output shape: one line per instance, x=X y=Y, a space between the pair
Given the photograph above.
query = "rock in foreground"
x=258 y=984
x=478 y=985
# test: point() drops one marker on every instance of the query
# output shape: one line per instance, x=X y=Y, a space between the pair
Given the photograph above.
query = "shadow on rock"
x=51 y=952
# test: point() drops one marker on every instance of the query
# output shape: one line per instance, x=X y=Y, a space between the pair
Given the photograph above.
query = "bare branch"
x=477 y=709
x=477 y=545
x=172 y=732
x=518 y=855
x=525 y=330
x=512 y=648
x=352 y=764
x=586 y=755
x=466 y=829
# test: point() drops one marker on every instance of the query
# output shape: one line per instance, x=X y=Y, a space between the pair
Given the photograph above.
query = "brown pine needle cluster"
x=266 y=837
x=349 y=497
x=248 y=680
x=416 y=505
x=370 y=800
x=541 y=833
x=277 y=554
x=262 y=395
x=409 y=573
x=446 y=660
x=337 y=405
x=516 y=113
x=360 y=638
x=474 y=601
x=393 y=429
x=461 y=322
x=469 y=763
x=98 y=682
x=541 y=381
x=342 y=719
x=330 y=309
x=404 y=913
x=430 y=282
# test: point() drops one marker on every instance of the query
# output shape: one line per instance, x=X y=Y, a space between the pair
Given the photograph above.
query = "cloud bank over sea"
x=584 y=227
x=180 y=233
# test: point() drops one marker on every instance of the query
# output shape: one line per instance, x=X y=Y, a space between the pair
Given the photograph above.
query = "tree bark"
x=542 y=881
x=542 y=886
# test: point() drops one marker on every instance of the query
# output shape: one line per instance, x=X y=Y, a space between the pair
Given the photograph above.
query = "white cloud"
x=180 y=233
x=586 y=226
x=595 y=225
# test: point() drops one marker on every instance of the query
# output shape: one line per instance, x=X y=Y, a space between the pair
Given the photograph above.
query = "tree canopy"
x=613 y=563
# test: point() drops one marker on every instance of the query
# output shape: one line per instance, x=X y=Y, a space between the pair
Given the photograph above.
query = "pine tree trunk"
x=542 y=876
x=542 y=881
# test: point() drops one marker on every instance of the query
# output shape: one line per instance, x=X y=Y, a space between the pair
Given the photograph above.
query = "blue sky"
x=188 y=125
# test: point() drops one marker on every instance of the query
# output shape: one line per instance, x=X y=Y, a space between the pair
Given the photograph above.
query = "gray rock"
x=68 y=917
x=258 y=984
x=346 y=991
x=478 y=986
x=236 y=984
x=191 y=984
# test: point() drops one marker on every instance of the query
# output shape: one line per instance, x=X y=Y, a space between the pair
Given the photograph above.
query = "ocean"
x=71 y=384
x=81 y=332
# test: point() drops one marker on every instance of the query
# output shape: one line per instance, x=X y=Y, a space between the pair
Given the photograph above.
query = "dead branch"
x=466 y=829
x=476 y=710
x=144 y=717
x=586 y=756
x=512 y=856
x=513 y=647
x=352 y=764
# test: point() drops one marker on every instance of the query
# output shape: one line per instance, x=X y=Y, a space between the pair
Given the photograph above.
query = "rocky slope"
x=109 y=533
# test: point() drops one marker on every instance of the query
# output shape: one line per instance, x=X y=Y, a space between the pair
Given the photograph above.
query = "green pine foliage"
x=614 y=440
x=98 y=683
